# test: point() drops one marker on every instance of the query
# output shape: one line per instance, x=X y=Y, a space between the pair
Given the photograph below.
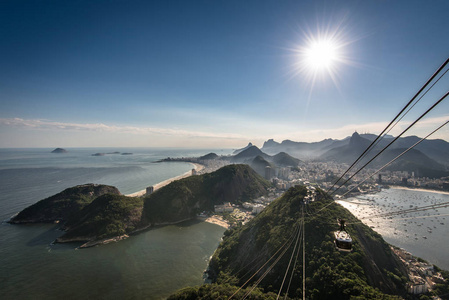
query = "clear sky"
x=214 y=74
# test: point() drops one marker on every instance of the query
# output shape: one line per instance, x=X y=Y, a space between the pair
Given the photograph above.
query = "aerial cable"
x=280 y=248
x=394 y=159
x=415 y=103
x=303 y=257
x=394 y=140
x=408 y=110
x=289 y=263
x=294 y=266
x=383 y=131
x=267 y=271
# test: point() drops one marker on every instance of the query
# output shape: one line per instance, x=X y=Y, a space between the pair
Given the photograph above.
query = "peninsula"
x=96 y=214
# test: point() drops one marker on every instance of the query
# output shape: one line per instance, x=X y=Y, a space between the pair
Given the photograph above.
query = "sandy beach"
x=217 y=220
x=157 y=186
x=418 y=189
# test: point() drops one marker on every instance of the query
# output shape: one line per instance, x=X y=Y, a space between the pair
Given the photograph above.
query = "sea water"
x=425 y=234
x=149 y=265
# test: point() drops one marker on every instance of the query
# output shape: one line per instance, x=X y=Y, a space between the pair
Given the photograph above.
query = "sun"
x=320 y=57
x=321 y=54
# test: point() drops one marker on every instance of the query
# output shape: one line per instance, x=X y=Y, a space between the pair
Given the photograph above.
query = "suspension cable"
x=280 y=248
x=395 y=139
x=394 y=159
x=383 y=131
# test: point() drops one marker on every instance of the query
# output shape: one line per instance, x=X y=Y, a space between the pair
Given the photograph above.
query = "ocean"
x=149 y=265
x=156 y=262
x=425 y=234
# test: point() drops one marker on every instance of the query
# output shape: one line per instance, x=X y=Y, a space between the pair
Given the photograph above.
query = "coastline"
x=217 y=220
x=196 y=166
x=398 y=187
x=393 y=235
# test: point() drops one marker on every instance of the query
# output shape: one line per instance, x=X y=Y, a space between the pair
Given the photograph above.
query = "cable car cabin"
x=343 y=241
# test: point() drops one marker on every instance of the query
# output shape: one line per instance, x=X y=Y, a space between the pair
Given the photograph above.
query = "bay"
x=150 y=265
x=425 y=234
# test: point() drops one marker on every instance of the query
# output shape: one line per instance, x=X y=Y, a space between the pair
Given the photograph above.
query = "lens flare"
x=321 y=54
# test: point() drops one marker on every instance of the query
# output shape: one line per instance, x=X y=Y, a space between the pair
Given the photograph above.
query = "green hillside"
x=370 y=271
x=183 y=199
x=107 y=216
x=62 y=206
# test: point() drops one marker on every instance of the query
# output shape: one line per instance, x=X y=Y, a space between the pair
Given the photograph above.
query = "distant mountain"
x=413 y=161
x=259 y=160
x=437 y=149
x=248 y=154
x=270 y=144
x=347 y=153
x=259 y=164
x=283 y=159
x=208 y=156
x=301 y=150
x=242 y=149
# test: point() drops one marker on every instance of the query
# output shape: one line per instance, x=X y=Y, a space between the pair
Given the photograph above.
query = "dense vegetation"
x=369 y=271
x=219 y=292
x=106 y=216
x=183 y=199
x=62 y=206
x=92 y=213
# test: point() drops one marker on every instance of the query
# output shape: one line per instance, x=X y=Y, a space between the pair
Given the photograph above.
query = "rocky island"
x=59 y=150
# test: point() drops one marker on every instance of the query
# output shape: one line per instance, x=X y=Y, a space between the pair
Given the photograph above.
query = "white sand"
x=157 y=186
x=218 y=220
x=418 y=189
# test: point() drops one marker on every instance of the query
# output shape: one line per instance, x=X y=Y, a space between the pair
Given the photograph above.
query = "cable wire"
x=383 y=131
x=395 y=139
x=298 y=237
x=394 y=159
x=279 y=249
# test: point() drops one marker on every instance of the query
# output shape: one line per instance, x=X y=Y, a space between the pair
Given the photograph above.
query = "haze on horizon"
x=215 y=74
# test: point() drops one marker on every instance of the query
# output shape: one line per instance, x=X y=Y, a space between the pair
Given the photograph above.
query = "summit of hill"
x=184 y=199
x=371 y=270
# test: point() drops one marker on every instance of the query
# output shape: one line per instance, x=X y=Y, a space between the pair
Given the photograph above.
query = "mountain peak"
x=270 y=143
x=355 y=139
x=243 y=149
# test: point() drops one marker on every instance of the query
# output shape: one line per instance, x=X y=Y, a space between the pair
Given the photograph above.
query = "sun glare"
x=321 y=55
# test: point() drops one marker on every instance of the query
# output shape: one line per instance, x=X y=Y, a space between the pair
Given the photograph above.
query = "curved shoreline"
x=418 y=189
x=157 y=186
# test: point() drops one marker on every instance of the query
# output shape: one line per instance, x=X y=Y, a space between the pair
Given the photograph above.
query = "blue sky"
x=212 y=73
